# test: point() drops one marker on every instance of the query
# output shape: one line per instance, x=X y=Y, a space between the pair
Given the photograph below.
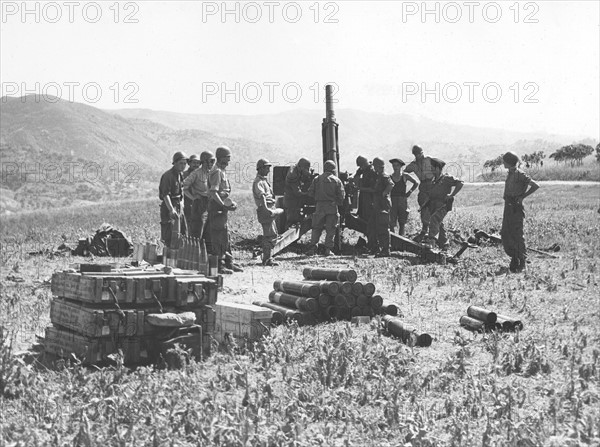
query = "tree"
x=573 y=154
x=598 y=153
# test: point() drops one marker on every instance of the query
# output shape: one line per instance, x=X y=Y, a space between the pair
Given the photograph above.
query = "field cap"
x=262 y=163
x=179 y=156
x=511 y=158
x=329 y=166
x=438 y=162
x=378 y=162
x=397 y=160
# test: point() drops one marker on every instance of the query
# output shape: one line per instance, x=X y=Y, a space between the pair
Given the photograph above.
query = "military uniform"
x=438 y=207
x=513 y=240
x=218 y=183
x=399 y=211
x=424 y=172
x=367 y=178
x=171 y=184
x=379 y=221
x=328 y=192
x=261 y=188
x=196 y=186
x=294 y=198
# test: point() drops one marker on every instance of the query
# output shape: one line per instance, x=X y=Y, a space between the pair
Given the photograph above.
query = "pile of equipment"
x=479 y=319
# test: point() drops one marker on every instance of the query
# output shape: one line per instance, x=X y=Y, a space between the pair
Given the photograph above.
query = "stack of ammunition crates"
x=244 y=321
x=96 y=314
x=325 y=295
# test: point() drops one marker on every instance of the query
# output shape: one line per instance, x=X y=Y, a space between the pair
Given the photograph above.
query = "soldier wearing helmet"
x=518 y=185
x=193 y=164
x=265 y=209
x=195 y=186
x=365 y=179
x=380 y=217
x=328 y=192
x=422 y=168
x=219 y=205
x=295 y=195
x=170 y=192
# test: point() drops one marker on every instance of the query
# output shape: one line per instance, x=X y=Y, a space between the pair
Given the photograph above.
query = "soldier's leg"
x=425 y=213
x=331 y=224
x=507 y=232
x=383 y=232
x=165 y=225
x=318 y=223
x=519 y=238
x=394 y=213
x=442 y=237
x=435 y=223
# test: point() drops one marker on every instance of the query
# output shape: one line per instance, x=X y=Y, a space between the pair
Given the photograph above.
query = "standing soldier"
x=421 y=167
x=379 y=221
x=399 y=196
x=196 y=187
x=518 y=185
x=441 y=199
x=365 y=178
x=219 y=205
x=294 y=196
x=193 y=164
x=170 y=192
x=328 y=192
x=265 y=209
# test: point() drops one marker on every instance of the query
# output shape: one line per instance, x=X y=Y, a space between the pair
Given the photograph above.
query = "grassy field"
x=589 y=171
x=333 y=384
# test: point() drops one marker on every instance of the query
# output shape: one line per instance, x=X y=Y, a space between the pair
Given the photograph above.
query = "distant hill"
x=373 y=134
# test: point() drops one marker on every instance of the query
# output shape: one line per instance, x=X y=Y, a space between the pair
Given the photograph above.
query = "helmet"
x=378 y=162
x=262 y=163
x=178 y=156
x=223 y=151
x=206 y=156
x=511 y=158
x=329 y=166
x=416 y=149
x=303 y=163
x=360 y=160
x=193 y=157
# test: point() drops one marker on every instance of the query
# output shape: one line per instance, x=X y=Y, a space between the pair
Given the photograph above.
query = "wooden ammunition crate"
x=93 y=289
x=96 y=322
x=206 y=317
x=241 y=320
x=192 y=291
x=64 y=342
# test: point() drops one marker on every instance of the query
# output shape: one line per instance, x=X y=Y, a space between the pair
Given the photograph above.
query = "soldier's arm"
x=389 y=187
x=533 y=187
x=457 y=187
x=213 y=193
x=414 y=180
x=312 y=188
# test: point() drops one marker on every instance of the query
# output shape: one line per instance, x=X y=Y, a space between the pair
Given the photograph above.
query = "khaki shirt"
x=516 y=184
x=328 y=192
x=262 y=188
x=218 y=183
x=171 y=184
x=422 y=169
x=195 y=185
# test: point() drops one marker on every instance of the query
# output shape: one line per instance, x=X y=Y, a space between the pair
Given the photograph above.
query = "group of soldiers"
x=202 y=193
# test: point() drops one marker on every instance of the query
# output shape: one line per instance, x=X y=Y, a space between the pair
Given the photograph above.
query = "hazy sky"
x=517 y=65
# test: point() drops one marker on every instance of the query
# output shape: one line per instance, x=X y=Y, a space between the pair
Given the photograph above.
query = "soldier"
x=441 y=194
x=196 y=187
x=422 y=168
x=380 y=216
x=265 y=209
x=170 y=192
x=399 y=195
x=365 y=178
x=328 y=192
x=294 y=196
x=219 y=205
x=193 y=164
x=518 y=185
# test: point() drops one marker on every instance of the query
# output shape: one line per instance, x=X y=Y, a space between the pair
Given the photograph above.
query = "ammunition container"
x=369 y=289
x=330 y=274
x=482 y=314
x=472 y=324
x=298 y=288
x=297 y=302
x=514 y=323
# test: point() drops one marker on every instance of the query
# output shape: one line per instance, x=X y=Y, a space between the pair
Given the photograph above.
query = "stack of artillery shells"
x=325 y=295
x=479 y=319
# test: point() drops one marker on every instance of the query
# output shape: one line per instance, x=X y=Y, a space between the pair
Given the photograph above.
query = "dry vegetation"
x=333 y=384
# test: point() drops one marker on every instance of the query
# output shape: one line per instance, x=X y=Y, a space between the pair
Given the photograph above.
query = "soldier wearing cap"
x=399 y=195
x=380 y=216
x=265 y=209
x=441 y=194
x=195 y=186
x=421 y=167
x=295 y=195
x=518 y=185
x=170 y=192
x=328 y=192
x=193 y=164
x=219 y=205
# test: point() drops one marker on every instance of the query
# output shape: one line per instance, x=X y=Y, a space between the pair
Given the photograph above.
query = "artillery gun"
x=348 y=217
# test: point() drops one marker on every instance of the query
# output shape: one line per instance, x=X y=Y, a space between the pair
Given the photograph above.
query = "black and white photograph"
x=300 y=223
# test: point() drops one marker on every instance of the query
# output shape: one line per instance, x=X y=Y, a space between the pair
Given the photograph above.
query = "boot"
x=270 y=263
x=312 y=251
